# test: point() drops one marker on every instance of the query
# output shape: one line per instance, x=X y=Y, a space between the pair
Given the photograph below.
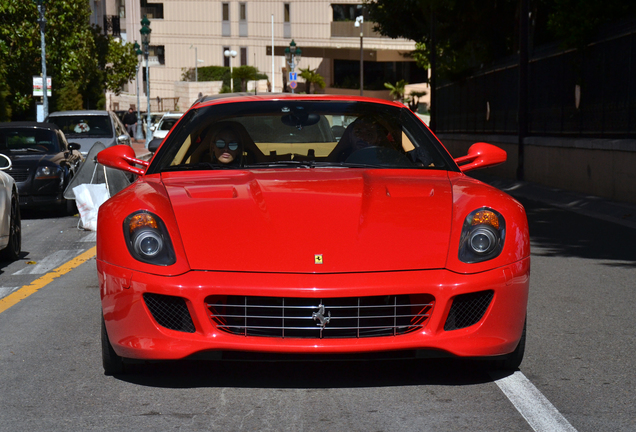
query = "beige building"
x=189 y=33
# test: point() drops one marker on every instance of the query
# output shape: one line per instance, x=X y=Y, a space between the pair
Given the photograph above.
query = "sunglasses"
x=231 y=145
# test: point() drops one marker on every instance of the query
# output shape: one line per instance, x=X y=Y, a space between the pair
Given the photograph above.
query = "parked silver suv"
x=88 y=127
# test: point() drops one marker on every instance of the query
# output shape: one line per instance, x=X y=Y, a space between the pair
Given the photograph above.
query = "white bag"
x=88 y=198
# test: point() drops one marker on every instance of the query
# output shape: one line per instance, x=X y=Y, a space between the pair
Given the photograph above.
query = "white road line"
x=5 y=291
x=50 y=262
x=540 y=414
x=89 y=237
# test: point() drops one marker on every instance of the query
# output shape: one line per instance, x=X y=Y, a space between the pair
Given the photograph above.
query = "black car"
x=43 y=162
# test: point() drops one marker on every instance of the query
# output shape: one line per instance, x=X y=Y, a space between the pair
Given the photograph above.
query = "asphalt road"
x=578 y=373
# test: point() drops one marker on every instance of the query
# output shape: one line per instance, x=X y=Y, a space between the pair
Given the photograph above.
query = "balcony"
x=112 y=25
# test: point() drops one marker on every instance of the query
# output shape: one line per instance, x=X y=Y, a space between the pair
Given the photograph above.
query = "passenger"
x=226 y=147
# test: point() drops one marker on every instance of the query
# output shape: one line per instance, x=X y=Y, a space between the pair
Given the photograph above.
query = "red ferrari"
x=317 y=225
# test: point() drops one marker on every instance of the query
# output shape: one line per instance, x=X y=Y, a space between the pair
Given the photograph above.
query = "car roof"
x=29 y=125
x=173 y=115
x=80 y=112
x=245 y=97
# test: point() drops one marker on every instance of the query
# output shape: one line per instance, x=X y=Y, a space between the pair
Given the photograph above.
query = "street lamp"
x=139 y=134
x=196 y=64
x=230 y=54
x=358 y=23
x=292 y=56
x=45 y=96
x=145 y=42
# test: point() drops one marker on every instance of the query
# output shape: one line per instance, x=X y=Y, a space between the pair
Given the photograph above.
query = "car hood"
x=313 y=221
x=87 y=143
x=34 y=159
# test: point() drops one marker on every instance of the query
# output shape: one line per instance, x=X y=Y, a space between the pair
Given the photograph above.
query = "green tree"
x=397 y=89
x=414 y=99
x=76 y=52
x=69 y=97
x=245 y=74
x=312 y=77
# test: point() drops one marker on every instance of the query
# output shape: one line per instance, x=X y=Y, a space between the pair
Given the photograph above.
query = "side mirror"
x=5 y=162
x=153 y=127
x=481 y=155
x=74 y=146
x=121 y=139
x=122 y=157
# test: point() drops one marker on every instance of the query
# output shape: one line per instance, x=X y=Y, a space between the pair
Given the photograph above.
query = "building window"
x=243 y=56
x=225 y=23
x=151 y=10
x=286 y=21
x=157 y=55
x=226 y=60
x=348 y=12
x=243 y=19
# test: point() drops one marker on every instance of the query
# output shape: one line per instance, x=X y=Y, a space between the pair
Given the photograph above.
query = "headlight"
x=482 y=237
x=48 y=172
x=147 y=239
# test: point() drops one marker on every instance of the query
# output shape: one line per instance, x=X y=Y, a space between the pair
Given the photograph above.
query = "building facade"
x=195 y=33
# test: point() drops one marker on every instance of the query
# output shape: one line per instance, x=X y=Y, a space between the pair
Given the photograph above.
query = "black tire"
x=12 y=251
x=113 y=364
x=512 y=361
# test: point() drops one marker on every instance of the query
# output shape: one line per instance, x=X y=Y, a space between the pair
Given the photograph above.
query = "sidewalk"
x=140 y=149
x=616 y=212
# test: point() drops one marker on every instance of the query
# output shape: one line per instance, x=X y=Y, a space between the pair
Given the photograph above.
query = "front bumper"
x=134 y=333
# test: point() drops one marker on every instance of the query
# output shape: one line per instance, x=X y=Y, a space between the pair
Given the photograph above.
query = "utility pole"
x=523 y=86
x=45 y=96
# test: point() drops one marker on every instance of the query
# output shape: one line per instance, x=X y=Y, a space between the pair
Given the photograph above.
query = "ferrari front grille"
x=170 y=312
x=468 y=309
x=347 y=317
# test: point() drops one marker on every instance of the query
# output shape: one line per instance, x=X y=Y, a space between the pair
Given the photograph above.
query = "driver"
x=363 y=132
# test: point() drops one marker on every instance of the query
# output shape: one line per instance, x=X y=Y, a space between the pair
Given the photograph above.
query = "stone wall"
x=598 y=167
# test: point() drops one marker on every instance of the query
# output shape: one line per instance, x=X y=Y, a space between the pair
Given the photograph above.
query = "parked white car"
x=10 y=222
x=161 y=129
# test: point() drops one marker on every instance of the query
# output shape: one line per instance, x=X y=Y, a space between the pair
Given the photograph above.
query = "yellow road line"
x=33 y=287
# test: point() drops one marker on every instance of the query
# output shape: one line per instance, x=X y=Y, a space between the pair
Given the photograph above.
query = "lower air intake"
x=170 y=312
x=468 y=309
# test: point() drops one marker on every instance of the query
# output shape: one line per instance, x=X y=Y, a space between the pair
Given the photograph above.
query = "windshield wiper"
x=278 y=164
x=193 y=167
x=30 y=149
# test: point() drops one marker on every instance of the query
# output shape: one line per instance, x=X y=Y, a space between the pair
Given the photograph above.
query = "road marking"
x=89 y=237
x=41 y=282
x=5 y=291
x=540 y=414
x=50 y=262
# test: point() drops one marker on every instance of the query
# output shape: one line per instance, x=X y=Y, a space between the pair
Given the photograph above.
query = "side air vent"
x=170 y=312
x=468 y=309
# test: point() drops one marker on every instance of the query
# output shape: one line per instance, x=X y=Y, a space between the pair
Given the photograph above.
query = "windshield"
x=28 y=140
x=300 y=133
x=83 y=126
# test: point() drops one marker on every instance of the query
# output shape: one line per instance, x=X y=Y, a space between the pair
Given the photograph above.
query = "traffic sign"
x=293 y=76
x=293 y=84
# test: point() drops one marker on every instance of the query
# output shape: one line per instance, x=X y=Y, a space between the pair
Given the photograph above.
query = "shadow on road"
x=318 y=375
x=559 y=232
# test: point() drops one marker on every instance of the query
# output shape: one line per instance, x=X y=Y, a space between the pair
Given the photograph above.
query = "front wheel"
x=113 y=363
x=12 y=251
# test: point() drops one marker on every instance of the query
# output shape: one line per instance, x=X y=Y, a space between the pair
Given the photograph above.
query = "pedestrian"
x=130 y=121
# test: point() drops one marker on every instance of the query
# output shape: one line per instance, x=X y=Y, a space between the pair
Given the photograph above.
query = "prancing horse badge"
x=318 y=259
